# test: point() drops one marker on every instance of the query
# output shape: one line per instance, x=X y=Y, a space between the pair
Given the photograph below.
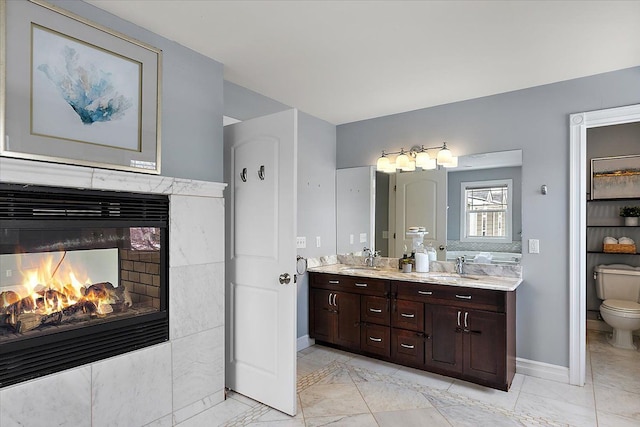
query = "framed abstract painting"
x=77 y=92
x=615 y=177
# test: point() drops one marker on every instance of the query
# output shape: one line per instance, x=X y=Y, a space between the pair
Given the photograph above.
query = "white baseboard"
x=542 y=370
x=304 y=342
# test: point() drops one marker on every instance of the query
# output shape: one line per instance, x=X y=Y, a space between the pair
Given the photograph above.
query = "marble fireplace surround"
x=161 y=385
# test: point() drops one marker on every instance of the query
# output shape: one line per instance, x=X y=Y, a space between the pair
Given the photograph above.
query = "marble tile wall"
x=162 y=385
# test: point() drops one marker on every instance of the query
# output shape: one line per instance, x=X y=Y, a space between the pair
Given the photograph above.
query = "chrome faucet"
x=460 y=265
x=370 y=256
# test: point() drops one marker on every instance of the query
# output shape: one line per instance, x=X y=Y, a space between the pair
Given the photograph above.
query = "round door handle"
x=285 y=278
x=441 y=247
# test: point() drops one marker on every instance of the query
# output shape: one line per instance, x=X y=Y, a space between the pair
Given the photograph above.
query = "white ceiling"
x=344 y=61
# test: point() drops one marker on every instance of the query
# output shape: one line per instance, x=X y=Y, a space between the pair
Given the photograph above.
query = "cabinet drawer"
x=325 y=281
x=375 y=310
x=356 y=285
x=408 y=315
x=365 y=285
x=407 y=347
x=423 y=292
x=376 y=339
x=483 y=299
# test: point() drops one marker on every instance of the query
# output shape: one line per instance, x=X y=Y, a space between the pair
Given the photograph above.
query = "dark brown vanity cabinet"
x=462 y=332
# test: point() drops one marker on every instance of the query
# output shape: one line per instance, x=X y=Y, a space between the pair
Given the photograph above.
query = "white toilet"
x=619 y=286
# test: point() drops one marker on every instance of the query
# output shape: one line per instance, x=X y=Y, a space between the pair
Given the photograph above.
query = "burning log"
x=53 y=307
x=8 y=298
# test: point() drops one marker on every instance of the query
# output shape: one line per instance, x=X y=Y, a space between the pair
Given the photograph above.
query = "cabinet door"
x=348 y=318
x=323 y=316
x=444 y=348
x=485 y=345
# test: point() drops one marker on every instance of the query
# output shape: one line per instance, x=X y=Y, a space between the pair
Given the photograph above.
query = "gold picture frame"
x=77 y=92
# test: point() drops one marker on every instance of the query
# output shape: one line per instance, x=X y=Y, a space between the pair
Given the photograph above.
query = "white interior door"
x=421 y=200
x=260 y=155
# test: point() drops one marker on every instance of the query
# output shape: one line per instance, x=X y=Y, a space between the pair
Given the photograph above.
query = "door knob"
x=285 y=278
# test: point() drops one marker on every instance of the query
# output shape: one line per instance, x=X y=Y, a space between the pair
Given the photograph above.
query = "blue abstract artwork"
x=90 y=92
x=83 y=93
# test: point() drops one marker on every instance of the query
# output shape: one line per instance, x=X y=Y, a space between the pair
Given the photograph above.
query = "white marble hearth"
x=161 y=385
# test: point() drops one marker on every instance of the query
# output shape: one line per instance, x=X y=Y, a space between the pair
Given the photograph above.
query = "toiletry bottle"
x=422 y=261
x=432 y=253
x=402 y=261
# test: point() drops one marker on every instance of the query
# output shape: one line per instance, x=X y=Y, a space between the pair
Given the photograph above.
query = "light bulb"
x=391 y=168
x=430 y=165
x=422 y=159
x=444 y=155
x=383 y=164
x=402 y=161
x=410 y=167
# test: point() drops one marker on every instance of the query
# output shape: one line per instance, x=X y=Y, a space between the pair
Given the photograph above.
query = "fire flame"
x=49 y=289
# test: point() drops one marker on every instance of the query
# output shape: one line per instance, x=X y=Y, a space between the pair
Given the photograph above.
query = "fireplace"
x=83 y=276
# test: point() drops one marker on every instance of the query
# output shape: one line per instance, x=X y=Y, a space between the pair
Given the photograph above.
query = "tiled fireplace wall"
x=162 y=385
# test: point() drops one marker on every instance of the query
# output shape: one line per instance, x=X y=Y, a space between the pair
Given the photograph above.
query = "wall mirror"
x=372 y=206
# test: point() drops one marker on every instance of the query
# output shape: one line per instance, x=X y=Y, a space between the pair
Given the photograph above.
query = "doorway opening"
x=579 y=124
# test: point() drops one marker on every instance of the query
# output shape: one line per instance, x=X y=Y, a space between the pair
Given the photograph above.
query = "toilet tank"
x=617 y=281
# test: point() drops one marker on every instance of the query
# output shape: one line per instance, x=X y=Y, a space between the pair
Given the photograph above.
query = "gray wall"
x=316 y=199
x=536 y=121
x=454 y=180
x=192 y=101
x=244 y=104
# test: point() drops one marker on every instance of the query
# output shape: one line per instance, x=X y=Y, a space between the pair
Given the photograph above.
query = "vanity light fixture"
x=417 y=157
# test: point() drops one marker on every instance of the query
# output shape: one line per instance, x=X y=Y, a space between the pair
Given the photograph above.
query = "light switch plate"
x=534 y=246
x=301 y=242
x=318 y=241
x=363 y=237
x=351 y=239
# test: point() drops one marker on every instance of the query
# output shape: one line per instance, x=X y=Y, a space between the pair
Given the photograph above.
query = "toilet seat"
x=629 y=309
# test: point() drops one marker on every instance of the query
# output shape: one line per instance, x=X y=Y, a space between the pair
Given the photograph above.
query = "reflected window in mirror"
x=486 y=211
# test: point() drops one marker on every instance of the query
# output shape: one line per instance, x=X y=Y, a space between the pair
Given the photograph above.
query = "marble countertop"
x=440 y=278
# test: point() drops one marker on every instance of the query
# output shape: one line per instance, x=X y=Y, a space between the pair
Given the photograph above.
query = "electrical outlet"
x=363 y=237
x=534 y=246
x=301 y=242
x=8 y=273
x=385 y=234
x=317 y=241
x=351 y=239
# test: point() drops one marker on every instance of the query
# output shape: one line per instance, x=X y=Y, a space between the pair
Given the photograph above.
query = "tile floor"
x=342 y=389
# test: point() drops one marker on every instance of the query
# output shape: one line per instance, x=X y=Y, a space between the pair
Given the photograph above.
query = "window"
x=486 y=211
